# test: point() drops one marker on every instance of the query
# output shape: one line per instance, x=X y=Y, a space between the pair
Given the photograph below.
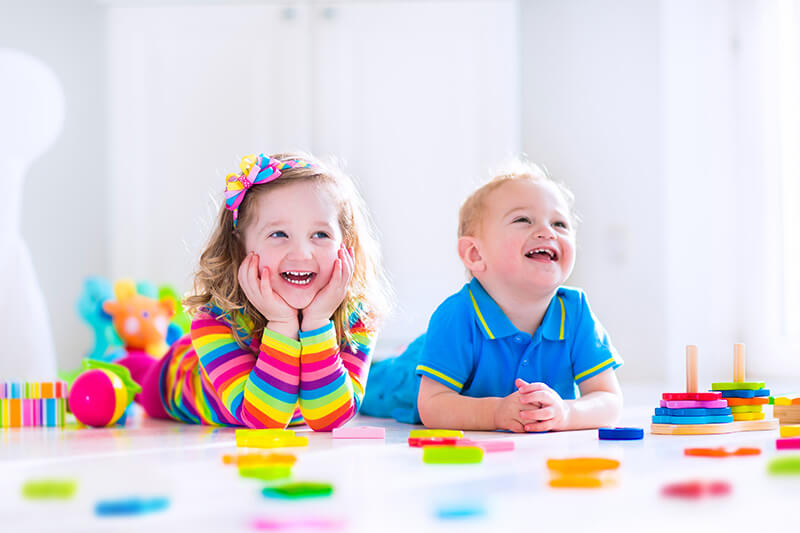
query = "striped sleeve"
x=259 y=392
x=332 y=378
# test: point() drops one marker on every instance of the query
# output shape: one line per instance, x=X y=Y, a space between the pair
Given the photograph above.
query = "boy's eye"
x=526 y=220
x=320 y=235
x=278 y=234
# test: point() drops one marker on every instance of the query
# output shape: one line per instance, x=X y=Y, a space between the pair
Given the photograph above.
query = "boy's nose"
x=545 y=232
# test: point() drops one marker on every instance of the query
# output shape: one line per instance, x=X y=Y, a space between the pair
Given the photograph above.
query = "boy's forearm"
x=596 y=409
x=453 y=411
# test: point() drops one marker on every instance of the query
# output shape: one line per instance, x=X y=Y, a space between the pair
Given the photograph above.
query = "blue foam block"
x=744 y=393
x=699 y=411
x=620 y=433
x=130 y=506
x=692 y=419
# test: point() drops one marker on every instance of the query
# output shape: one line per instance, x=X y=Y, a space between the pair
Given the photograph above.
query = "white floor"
x=384 y=485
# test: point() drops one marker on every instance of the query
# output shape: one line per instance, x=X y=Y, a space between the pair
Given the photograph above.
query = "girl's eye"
x=526 y=220
x=320 y=235
x=278 y=234
x=561 y=224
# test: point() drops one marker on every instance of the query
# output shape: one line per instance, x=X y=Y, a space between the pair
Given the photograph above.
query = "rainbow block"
x=790 y=430
x=745 y=393
x=733 y=402
x=691 y=404
x=744 y=385
x=721 y=419
x=696 y=396
x=746 y=409
x=738 y=417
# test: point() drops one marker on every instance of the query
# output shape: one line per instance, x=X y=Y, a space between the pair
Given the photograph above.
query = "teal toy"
x=107 y=344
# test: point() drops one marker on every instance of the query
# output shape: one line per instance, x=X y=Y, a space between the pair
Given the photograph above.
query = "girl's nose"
x=300 y=250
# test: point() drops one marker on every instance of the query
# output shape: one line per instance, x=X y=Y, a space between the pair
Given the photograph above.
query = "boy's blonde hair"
x=216 y=280
x=472 y=211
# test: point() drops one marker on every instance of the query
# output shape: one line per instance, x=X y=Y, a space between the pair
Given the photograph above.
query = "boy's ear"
x=470 y=254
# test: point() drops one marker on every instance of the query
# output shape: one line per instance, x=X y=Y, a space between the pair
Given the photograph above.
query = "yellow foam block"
x=420 y=433
x=739 y=417
x=782 y=401
x=746 y=409
x=790 y=430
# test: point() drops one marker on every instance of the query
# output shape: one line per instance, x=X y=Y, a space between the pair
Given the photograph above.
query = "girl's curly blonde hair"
x=216 y=281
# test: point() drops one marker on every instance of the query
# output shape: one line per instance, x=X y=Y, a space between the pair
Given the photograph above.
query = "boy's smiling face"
x=525 y=239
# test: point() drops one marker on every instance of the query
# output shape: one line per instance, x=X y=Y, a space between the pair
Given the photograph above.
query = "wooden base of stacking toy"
x=713 y=429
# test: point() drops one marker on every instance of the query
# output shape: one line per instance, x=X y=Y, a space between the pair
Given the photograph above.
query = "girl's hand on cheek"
x=257 y=288
x=321 y=308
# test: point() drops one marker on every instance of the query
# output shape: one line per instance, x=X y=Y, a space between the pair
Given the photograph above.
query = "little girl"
x=287 y=297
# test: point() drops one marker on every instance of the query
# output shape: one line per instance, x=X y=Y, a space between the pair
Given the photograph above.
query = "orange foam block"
x=720 y=452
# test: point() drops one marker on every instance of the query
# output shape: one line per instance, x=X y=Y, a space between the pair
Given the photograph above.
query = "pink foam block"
x=360 y=432
x=689 y=404
x=791 y=443
x=488 y=446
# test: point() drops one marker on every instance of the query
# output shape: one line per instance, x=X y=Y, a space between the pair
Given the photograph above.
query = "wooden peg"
x=691 y=368
x=738 y=363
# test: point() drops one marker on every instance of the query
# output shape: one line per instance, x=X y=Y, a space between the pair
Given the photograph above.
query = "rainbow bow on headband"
x=255 y=170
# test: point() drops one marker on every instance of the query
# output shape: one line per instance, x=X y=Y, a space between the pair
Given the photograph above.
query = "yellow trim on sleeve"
x=440 y=375
x=596 y=367
x=480 y=316
x=563 y=315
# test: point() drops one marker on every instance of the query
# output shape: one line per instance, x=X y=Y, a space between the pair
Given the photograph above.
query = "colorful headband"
x=255 y=171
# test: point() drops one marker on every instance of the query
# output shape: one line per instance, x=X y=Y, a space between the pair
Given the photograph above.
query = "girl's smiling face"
x=294 y=229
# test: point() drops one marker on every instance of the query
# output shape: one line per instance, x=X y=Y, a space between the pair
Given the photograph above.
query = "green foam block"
x=784 y=465
x=49 y=489
x=452 y=454
x=304 y=489
x=266 y=473
x=744 y=385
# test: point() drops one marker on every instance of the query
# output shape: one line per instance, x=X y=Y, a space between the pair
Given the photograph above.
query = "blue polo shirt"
x=472 y=347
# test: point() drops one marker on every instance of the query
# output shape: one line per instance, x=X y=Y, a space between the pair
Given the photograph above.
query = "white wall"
x=65 y=192
x=591 y=94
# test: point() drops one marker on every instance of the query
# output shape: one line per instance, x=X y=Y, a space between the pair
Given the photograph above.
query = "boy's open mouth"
x=298 y=278
x=542 y=254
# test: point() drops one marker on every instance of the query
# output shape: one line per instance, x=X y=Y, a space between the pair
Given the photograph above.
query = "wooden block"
x=745 y=393
x=691 y=404
x=744 y=385
x=582 y=465
x=738 y=362
x=359 y=432
x=720 y=452
x=720 y=419
x=747 y=401
x=787 y=414
x=747 y=409
x=791 y=443
x=713 y=429
x=691 y=369
x=740 y=417
x=417 y=433
x=697 y=396
x=790 y=431
x=796 y=401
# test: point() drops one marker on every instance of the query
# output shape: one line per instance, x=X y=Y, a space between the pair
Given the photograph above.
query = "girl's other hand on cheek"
x=255 y=283
x=544 y=409
x=322 y=307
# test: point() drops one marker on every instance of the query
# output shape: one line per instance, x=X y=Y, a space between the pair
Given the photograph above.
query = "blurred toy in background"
x=141 y=322
x=107 y=344
x=101 y=393
x=180 y=321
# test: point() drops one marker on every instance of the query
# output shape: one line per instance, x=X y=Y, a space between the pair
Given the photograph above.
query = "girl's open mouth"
x=298 y=278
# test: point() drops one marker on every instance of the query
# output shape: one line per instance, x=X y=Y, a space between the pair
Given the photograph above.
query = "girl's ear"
x=470 y=254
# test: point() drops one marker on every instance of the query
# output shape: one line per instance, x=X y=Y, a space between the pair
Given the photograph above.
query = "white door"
x=192 y=89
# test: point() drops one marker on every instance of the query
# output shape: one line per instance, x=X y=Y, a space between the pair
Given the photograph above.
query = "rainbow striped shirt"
x=207 y=378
